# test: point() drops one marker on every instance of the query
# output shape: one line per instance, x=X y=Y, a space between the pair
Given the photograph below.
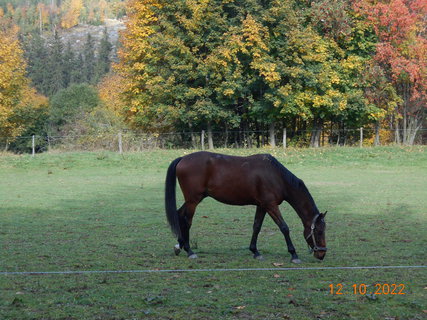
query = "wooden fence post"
x=120 y=143
x=33 y=144
x=284 y=138
x=361 y=137
x=202 y=139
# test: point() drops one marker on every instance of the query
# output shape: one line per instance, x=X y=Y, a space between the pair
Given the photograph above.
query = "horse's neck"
x=305 y=207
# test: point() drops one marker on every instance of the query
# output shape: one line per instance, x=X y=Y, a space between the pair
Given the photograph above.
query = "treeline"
x=49 y=15
x=252 y=65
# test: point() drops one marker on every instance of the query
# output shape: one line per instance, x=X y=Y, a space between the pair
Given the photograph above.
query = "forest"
x=215 y=65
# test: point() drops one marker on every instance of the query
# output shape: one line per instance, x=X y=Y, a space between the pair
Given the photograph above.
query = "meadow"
x=105 y=211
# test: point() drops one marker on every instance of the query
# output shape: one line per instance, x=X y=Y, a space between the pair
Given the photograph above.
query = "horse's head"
x=315 y=236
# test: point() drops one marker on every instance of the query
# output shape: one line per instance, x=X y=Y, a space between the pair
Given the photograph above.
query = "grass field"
x=103 y=211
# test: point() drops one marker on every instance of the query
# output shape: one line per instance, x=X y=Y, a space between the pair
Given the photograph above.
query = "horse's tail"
x=170 y=198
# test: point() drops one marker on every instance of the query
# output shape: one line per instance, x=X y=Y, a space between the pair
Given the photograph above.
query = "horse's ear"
x=324 y=214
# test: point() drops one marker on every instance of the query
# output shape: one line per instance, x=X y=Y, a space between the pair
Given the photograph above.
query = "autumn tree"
x=400 y=26
x=71 y=13
x=17 y=99
x=12 y=79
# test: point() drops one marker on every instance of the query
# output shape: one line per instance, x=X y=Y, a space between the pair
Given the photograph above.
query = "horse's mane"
x=291 y=178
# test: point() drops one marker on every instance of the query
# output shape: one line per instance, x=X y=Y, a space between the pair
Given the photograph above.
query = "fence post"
x=284 y=138
x=203 y=139
x=33 y=145
x=120 y=143
x=361 y=137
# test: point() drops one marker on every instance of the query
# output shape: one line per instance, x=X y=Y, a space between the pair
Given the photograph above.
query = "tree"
x=103 y=62
x=20 y=105
x=78 y=74
x=37 y=56
x=71 y=12
x=400 y=26
x=56 y=66
x=110 y=90
x=70 y=104
x=12 y=79
x=89 y=59
x=69 y=62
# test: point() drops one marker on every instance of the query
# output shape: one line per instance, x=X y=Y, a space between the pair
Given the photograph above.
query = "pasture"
x=104 y=211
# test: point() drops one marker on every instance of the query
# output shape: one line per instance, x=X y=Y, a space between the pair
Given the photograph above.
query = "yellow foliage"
x=255 y=34
x=72 y=10
x=342 y=105
x=228 y=92
x=12 y=74
x=16 y=96
x=110 y=90
x=352 y=63
x=136 y=47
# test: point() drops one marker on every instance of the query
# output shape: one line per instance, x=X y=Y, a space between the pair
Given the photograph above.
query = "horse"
x=259 y=180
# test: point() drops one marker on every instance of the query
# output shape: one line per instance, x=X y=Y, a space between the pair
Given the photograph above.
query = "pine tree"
x=103 y=62
x=69 y=65
x=56 y=66
x=36 y=53
x=77 y=73
x=89 y=59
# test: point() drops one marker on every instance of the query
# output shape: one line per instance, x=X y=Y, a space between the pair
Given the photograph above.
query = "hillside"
x=50 y=15
x=77 y=35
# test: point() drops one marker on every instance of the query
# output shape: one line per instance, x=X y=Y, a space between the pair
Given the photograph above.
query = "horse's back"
x=229 y=179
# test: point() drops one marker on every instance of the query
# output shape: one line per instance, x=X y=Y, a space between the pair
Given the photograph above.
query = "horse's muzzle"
x=320 y=254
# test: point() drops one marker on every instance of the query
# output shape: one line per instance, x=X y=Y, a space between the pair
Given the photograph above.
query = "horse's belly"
x=233 y=198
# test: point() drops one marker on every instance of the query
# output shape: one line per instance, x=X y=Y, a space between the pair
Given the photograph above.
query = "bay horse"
x=259 y=180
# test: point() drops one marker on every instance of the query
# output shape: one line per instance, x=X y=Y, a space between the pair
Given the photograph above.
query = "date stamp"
x=363 y=289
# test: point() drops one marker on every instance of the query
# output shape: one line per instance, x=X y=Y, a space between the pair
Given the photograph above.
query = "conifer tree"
x=69 y=65
x=89 y=59
x=56 y=66
x=103 y=61
x=37 y=55
x=77 y=73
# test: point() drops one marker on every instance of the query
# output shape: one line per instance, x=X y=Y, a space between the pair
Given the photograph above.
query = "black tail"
x=170 y=198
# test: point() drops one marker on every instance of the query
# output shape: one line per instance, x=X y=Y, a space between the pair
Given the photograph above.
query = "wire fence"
x=131 y=141
x=210 y=270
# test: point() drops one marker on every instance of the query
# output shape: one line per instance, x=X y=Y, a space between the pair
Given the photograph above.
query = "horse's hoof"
x=193 y=256
x=297 y=261
x=259 y=257
x=177 y=249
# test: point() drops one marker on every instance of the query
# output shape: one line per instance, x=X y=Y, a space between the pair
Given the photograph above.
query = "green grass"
x=103 y=211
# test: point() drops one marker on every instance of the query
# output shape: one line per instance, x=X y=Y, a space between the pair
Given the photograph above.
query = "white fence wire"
x=68 y=272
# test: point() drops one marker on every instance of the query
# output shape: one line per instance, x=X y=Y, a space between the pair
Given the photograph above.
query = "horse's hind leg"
x=180 y=244
x=275 y=214
x=259 y=218
x=186 y=213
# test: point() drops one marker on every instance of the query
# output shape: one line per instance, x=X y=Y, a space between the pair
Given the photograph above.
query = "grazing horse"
x=258 y=180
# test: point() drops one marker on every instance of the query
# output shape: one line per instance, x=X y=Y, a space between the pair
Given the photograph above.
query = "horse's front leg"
x=259 y=218
x=275 y=214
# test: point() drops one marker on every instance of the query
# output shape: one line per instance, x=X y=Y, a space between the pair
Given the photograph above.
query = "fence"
x=130 y=141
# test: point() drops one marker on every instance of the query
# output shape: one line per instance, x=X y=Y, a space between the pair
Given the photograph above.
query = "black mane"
x=292 y=179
